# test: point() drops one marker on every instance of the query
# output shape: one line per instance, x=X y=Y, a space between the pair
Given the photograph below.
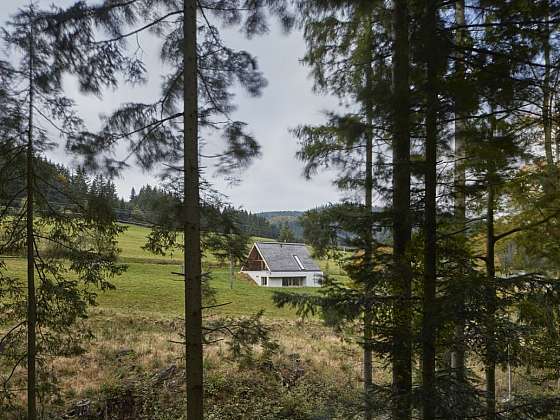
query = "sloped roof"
x=280 y=256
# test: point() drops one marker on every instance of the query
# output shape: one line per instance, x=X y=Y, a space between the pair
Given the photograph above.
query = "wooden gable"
x=255 y=261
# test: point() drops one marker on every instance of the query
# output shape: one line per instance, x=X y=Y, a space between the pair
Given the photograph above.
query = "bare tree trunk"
x=557 y=132
x=491 y=297
x=368 y=252
x=430 y=257
x=547 y=96
x=193 y=271
x=31 y=298
x=490 y=357
x=402 y=340
x=458 y=353
x=368 y=364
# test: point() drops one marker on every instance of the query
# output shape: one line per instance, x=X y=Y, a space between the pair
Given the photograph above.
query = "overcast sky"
x=273 y=182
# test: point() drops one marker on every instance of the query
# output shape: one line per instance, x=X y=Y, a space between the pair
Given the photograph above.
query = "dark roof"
x=280 y=256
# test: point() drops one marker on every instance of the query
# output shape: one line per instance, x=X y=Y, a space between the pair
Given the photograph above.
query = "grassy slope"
x=135 y=331
x=149 y=288
x=149 y=285
x=131 y=243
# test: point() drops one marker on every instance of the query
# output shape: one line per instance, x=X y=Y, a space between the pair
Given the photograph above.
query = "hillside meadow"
x=151 y=287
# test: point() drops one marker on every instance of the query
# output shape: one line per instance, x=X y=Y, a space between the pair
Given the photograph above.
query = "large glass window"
x=293 y=281
x=264 y=281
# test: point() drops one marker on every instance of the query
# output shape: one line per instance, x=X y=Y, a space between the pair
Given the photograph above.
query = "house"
x=277 y=264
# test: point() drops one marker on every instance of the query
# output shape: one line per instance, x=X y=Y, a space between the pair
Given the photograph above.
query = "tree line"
x=148 y=206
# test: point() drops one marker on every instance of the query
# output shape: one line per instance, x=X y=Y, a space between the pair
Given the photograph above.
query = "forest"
x=439 y=252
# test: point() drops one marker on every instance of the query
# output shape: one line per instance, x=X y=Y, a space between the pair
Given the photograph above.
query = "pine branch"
x=527 y=226
x=141 y=29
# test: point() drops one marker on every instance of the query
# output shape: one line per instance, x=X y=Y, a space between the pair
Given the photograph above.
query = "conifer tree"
x=203 y=70
x=69 y=248
x=429 y=308
x=229 y=241
x=347 y=53
x=459 y=199
x=334 y=144
x=402 y=276
x=502 y=96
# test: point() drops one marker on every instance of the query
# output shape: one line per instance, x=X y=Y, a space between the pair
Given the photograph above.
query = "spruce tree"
x=197 y=89
x=402 y=225
x=429 y=308
x=69 y=249
x=352 y=40
x=347 y=53
x=459 y=186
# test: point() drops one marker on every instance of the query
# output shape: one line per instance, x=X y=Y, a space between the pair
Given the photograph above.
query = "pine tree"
x=429 y=308
x=203 y=70
x=346 y=52
x=333 y=144
x=68 y=249
x=229 y=242
x=459 y=200
x=402 y=277
x=31 y=294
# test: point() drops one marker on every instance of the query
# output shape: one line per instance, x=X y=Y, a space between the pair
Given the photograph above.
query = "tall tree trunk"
x=402 y=340
x=193 y=272
x=368 y=363
x=547 y=95
x=458 y=353
x=368 y=251
x=429 y=287
x=554 y=115
x=490 y=357
x=491 y=311
x=31 y=298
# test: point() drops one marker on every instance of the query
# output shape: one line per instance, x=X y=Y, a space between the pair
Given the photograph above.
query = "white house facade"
x=278 y=264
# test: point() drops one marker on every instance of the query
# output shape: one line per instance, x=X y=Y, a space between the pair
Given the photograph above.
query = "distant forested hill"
x=148 y=202
x=280 y=219
x=256 y=225
x=62 y=187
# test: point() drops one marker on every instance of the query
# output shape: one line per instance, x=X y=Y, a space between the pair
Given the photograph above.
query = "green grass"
x=153 y=290
x=149 y=288
x=131 y=243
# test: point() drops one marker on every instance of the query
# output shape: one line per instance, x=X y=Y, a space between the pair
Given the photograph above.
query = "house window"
x=301 y=267
x=264 y=281
x=292 y=281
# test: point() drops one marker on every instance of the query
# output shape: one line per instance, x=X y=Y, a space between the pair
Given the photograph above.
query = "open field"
x=149 y=288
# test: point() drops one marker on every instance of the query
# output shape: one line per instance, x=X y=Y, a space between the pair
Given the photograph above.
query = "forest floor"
x=135 y=365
